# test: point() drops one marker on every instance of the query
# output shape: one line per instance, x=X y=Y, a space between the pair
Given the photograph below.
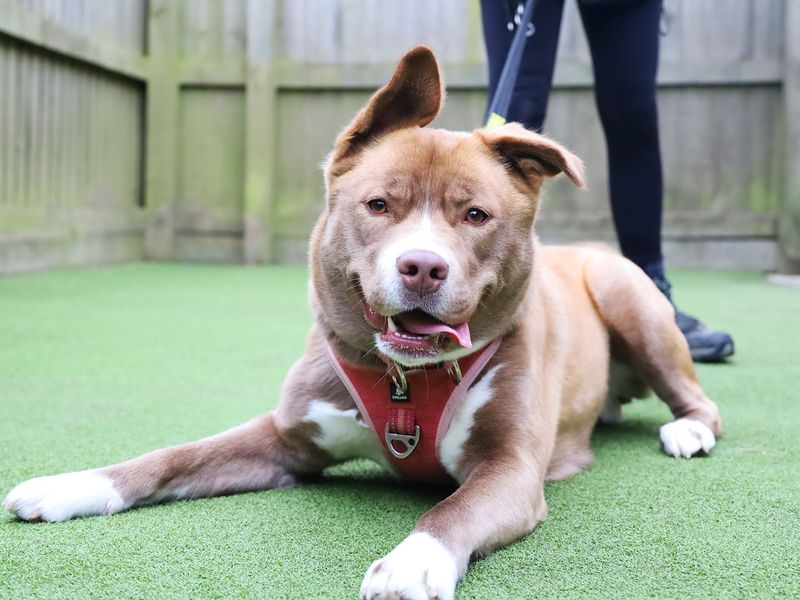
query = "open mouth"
x=416 y=330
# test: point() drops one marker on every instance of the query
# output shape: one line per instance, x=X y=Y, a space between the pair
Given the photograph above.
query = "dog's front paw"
x=420 y=568
x=687 y=437
x=62 y=497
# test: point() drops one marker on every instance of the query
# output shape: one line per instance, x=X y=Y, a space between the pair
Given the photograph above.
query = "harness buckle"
x=409 y=442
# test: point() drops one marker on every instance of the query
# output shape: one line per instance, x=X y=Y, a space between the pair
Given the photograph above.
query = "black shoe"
x=705 y=344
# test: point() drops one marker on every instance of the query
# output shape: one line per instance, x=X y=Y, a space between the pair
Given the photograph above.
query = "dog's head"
x=426 y=243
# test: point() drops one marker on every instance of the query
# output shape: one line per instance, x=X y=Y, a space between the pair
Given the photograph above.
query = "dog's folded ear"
x=530 y=155
x=412 y=98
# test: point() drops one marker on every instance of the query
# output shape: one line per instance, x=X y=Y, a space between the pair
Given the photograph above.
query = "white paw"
x=420 y=568
x=62 y=497
x=686 y=437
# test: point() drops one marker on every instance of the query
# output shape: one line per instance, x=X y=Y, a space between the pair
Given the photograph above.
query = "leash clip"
x=409 y=442
x=516 y=21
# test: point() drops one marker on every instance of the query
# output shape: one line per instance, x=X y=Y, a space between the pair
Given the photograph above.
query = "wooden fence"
x=193 y=129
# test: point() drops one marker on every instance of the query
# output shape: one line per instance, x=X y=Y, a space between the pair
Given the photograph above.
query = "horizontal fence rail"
x=193 y=129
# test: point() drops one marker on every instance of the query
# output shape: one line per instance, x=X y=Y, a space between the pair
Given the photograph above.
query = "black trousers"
x=623 y=39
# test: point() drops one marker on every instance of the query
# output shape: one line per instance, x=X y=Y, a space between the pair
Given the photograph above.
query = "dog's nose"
x=422 y=271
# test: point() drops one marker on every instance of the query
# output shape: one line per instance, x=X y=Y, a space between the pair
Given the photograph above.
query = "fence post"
x=259 y=130
x=789 y=219
x=161 y=129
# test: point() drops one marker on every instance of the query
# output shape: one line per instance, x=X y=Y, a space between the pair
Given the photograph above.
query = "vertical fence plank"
x=789 y=221
x=259 y=131
x=161 y=130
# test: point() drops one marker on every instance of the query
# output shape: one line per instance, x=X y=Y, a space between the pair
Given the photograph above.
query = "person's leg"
x=529 y=100
x=624 y=40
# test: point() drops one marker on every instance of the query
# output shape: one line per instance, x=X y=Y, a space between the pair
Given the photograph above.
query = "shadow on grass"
x=375 y=485
x=638 y=431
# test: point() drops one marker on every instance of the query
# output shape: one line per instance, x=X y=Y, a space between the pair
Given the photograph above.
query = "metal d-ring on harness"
x=400 y=378
x=398 y=374
x=454 y=370
x=408 y=442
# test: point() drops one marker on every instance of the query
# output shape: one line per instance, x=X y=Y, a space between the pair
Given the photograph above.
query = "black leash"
x=498 y=108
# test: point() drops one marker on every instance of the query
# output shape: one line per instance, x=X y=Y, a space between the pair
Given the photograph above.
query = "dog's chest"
x=344 y=434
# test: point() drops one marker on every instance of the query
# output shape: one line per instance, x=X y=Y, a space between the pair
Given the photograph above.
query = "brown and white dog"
x=425 y=253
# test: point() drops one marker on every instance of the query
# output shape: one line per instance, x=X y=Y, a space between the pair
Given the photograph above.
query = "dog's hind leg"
x=644 y=334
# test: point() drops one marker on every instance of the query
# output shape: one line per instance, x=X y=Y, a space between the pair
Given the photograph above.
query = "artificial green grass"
x=99 y=365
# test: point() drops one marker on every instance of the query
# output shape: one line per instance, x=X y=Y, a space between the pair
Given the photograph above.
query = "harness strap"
x=402 y=420
x=410 y=423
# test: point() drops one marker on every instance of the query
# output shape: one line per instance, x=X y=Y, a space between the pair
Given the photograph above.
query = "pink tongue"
x=422 y=323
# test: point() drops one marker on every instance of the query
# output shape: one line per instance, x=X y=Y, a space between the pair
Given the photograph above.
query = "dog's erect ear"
x=412 y=98
x=532 y=156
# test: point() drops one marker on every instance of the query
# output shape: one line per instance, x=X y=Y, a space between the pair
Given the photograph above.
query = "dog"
x=448 y=345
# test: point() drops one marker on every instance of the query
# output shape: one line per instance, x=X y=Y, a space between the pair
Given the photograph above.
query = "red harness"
x=410 y=412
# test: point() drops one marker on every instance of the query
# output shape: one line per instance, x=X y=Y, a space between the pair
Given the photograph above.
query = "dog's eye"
x=377 y=205
x=476 y=216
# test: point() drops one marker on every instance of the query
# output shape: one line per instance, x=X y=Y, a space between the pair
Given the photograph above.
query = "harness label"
x=397 y=394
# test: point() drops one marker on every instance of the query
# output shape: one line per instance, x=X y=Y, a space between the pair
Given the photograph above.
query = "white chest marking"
x=343 y=435
x=451 y=446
